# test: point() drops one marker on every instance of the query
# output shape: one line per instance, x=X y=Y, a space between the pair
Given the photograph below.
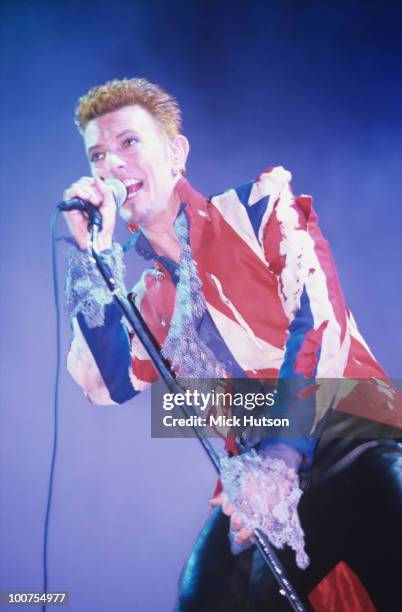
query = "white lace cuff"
x=86 y=290
x=265 y=493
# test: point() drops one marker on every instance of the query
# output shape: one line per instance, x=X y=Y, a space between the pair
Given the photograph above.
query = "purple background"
x=313 y=86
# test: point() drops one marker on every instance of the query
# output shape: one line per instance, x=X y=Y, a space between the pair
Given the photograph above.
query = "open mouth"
x=133 y=186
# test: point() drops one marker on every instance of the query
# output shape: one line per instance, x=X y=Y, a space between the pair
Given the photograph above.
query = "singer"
x=242 y=285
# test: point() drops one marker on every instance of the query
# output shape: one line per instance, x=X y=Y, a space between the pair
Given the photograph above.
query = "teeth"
x=131 y=181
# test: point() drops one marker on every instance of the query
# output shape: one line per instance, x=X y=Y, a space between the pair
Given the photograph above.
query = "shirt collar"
x=140 y=242
x=142 y=245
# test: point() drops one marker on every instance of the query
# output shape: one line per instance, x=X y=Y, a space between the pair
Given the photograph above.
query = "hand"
x=257 y=493
x=96 y=192
x=236 y=522
x=262 y=493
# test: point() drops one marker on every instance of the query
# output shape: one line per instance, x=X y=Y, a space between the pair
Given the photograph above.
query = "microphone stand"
x=143 y=333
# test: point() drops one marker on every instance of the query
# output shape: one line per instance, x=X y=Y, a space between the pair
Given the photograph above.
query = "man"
x=242 y=286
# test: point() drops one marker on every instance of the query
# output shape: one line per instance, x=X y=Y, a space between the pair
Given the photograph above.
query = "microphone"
x=95 y=217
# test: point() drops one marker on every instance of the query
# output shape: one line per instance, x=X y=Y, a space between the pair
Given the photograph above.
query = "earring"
x=175 y=172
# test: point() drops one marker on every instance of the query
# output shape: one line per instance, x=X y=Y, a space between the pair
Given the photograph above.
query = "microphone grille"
x=119 y=191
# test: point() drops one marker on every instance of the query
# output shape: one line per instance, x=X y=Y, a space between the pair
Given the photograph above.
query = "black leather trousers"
x=353 y=514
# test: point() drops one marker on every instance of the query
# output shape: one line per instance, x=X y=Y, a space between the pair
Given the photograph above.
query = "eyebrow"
x=118 y=136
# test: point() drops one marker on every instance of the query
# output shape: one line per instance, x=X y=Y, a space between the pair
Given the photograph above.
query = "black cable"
x=55 y=407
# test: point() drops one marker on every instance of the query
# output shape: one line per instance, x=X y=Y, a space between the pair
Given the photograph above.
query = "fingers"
x=222 y=500
x=217 y=500
x=236 y=522
x=243 y=535
x=106 y=192
x=227 y=507
x=237 y=525
x=95 y=191
x=86 y=188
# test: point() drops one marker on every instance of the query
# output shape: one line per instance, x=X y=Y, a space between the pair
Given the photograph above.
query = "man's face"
x=126 y=144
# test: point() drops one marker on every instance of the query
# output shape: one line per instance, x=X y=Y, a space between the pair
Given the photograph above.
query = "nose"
x=113 y=162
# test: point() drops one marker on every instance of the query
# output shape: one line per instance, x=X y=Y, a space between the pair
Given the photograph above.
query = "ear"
x=180 y=148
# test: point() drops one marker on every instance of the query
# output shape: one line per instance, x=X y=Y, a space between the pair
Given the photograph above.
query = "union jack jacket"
x=275 y=307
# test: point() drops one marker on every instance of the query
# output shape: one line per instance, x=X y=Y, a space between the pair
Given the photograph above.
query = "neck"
x=160 y=232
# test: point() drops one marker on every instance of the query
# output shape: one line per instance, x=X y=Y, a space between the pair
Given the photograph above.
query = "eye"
x=130 y=141
x=97 y=156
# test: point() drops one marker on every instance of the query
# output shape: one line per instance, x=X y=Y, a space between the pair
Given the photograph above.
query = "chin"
x=135 y=212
